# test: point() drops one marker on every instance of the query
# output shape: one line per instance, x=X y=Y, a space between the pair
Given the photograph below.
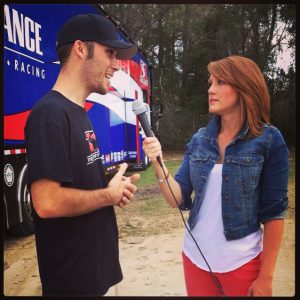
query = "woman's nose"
x=211 y=90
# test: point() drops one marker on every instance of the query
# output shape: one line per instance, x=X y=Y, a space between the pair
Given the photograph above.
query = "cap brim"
x=124 y=50
x=126 y=53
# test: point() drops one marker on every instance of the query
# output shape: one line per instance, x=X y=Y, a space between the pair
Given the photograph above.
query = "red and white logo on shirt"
x=90 y=137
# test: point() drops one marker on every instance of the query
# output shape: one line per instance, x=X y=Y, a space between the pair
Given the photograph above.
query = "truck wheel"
x=146 y=162
x=25 y=227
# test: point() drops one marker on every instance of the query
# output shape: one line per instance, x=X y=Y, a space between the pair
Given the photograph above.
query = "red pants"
x=235 y=283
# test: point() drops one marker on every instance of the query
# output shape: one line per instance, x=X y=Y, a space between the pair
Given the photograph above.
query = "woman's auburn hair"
x=246 y=78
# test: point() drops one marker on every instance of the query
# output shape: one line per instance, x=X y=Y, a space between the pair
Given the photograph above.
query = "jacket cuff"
x=276 y=211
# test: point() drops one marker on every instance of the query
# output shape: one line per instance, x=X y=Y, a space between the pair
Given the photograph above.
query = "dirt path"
x=21 y=275
x=151 y=264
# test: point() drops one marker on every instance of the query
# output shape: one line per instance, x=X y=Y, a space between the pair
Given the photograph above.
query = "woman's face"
x=222 y=98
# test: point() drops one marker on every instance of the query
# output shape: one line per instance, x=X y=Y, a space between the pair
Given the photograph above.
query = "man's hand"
x=122 y=188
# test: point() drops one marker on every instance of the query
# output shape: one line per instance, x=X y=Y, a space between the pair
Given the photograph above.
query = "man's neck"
x=71 y=88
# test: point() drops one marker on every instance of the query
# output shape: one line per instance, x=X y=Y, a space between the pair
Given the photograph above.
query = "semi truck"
x=30 y=70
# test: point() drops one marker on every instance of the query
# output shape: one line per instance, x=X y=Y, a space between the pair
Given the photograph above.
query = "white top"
x=221 y=255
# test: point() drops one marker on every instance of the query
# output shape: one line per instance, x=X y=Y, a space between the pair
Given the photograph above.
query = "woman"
x=237 y=167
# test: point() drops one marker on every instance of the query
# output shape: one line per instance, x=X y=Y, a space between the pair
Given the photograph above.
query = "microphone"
x=139 y=108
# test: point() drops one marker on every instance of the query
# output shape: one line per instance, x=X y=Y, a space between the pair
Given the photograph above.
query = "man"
x=75 y=223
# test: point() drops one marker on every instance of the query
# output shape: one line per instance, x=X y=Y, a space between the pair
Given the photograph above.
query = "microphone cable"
x=214 y=277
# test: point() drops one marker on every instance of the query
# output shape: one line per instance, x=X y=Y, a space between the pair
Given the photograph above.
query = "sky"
x=285 y=59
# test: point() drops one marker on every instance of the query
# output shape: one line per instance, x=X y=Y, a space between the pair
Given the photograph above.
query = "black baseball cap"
x=94 y=28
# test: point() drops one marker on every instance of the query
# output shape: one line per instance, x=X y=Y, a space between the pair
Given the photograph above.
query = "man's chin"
x=102 y=91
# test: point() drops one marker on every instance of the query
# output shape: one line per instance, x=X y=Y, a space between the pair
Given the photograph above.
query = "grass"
x=291 y=187
x=153 y=207
x=148 y=177
x=292 y=168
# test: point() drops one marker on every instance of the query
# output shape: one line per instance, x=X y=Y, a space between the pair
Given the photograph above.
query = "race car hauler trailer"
x=30 y=70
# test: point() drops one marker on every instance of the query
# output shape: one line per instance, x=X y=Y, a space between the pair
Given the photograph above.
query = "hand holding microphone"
x=152 y=148
x=151 y=145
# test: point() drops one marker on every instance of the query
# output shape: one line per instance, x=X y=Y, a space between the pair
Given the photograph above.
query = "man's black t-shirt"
x=76 y=255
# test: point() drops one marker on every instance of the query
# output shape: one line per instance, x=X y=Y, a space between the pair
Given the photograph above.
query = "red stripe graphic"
x=14 y=126
x=14 y=151
x=88 y=105
x=134 y=69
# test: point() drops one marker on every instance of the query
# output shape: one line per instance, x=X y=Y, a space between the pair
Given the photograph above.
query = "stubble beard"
x=101 y=90
x=97 y=85
x=94 y=85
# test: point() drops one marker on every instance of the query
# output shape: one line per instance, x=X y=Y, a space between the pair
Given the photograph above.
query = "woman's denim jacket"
x=254 y=177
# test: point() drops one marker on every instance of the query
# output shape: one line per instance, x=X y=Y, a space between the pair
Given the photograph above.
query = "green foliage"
x=181 y=39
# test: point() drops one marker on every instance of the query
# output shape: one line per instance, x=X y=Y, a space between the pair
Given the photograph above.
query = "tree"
x=180 y=40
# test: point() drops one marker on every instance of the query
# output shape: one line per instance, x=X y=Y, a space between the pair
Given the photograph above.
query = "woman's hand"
x=260 y=287
x=152 y=148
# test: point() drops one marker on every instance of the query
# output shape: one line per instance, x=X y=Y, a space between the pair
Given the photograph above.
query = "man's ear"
x=79 y=48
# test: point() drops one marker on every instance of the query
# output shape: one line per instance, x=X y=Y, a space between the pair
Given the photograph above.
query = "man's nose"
x=115 y=65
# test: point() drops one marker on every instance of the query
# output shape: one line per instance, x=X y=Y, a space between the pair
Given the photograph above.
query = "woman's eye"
x=221 y=81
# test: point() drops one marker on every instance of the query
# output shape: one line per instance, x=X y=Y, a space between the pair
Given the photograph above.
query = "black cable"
x=214 y=277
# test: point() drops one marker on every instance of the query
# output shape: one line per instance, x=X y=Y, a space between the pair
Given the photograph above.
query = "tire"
x=146 y=162
x=26 y=227
x=141 y=166
x=149 y=162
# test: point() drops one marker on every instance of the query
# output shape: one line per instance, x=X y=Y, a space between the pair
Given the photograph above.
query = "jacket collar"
x=213 y=128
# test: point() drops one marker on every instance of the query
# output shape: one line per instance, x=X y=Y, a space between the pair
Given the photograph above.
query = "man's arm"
x=51 y=200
